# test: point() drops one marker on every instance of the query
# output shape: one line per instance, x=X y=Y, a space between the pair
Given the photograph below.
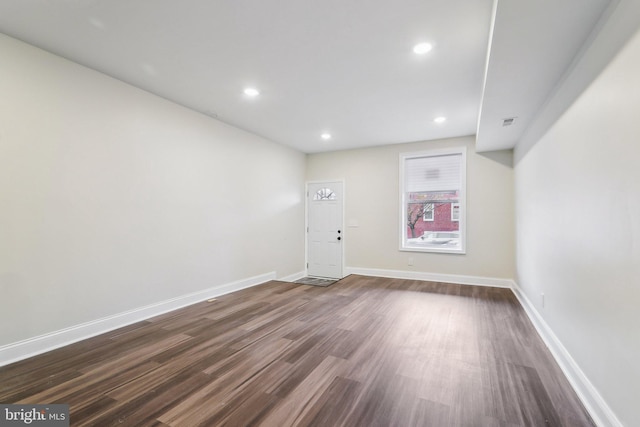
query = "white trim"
x=293 y=277
x=453 y=205
x=50 y=341
x=433 y=277
x=432 y=211
x=600 y=412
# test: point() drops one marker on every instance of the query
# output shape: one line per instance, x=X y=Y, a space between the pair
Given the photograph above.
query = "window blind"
x=433 y=173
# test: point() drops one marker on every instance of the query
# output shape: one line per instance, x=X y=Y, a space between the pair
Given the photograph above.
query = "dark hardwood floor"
x=362 y=352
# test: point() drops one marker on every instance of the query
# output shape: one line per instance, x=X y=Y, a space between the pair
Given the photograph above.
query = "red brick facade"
x=441 y=221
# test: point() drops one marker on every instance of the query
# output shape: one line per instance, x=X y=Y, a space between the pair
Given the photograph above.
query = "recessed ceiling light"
x=325 y=136
x=250 y=91
x=440 y=119
x=422 y=48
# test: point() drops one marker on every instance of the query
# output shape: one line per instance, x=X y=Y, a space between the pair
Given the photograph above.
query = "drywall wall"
x=578 y=232
x=372 y=201
x=113 y=198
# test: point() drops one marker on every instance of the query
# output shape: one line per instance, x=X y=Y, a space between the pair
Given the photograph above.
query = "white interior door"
x=325 y=229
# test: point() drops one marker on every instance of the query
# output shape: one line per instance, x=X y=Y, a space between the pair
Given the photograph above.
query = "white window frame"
x=432 y=211
x=462 y=222
x=453 y=205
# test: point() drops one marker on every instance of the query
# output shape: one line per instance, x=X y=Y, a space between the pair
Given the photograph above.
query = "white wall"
x=112 y=198
x=372 y=199
x=578 y=231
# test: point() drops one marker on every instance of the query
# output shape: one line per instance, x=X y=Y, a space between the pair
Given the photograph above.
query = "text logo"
x=34 y=415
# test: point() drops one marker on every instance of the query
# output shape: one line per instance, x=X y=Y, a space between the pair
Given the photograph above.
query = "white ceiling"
x=340 y=66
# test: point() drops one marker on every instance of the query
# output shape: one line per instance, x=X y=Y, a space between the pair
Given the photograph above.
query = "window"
x=455 y=212
x=432 y=188
x=429 y=213
x=324 y=194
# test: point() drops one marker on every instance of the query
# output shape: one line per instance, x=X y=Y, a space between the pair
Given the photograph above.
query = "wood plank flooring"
x=363 y=352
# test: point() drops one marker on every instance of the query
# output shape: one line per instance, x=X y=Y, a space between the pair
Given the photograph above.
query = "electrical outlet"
x=410 y=263
x=542 y=299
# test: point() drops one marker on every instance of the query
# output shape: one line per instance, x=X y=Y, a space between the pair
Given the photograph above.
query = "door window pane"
x=324 y=194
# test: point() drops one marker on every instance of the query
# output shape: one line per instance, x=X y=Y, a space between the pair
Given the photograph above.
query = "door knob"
x=339 y=238
x=338 y=231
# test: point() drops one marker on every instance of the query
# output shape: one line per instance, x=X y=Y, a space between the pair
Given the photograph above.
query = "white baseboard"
x=293 y=277
x=600 y=412
x=33 y=346
x=433 y=277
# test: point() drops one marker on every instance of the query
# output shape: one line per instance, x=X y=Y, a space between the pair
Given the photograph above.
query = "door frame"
x=306 y=222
